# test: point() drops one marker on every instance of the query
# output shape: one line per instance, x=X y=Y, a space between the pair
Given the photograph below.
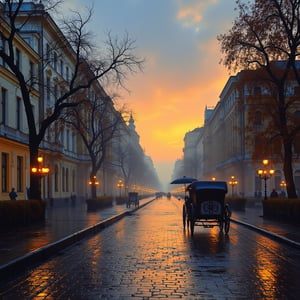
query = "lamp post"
x=265 y=174
x=120 y=185
x=40 y=170
x=94 y=181
x=232 y=182
x=283 y=187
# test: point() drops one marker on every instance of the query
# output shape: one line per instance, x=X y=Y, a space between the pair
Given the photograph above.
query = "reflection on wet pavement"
x=148 y=255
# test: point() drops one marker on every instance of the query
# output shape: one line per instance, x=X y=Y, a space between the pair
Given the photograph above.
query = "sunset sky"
x=182 y=74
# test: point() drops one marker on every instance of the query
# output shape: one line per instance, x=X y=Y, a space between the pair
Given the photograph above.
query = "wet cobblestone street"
x=147 y=255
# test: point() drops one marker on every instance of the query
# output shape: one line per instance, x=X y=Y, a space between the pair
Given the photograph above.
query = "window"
x=19 y=113
x=3 y=105
x=19 y=173
x=4 y=172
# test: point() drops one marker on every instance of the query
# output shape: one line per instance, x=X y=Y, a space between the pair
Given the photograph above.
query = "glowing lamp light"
x=34 y=170
x=41 y=170
x=265 y=174
x=94 y=181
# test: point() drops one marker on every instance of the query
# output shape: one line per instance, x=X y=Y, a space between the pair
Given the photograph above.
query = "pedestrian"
x=13 y=195
x=274 y=194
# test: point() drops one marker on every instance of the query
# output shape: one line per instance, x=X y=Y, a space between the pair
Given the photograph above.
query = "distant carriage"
x=205 y=206
x=133 y=198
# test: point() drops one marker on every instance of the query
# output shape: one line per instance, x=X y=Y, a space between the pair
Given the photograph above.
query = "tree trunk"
x=288 y=170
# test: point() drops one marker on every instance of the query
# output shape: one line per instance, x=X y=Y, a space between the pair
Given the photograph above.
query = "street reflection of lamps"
x=232 y=182
x=40 y=169
x=265 y=174
x=120 y=185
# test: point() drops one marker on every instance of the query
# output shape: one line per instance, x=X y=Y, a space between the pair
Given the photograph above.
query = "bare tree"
x=117 y=62
x=266 y=32
x=97 y=123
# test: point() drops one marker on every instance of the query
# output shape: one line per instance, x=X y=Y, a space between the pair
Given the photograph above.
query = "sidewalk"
x=70 y=219
x=253 y=217
x=61 y=221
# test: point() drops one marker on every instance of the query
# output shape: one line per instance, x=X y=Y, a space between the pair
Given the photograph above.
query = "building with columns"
x=224 y=146
x=48 y=62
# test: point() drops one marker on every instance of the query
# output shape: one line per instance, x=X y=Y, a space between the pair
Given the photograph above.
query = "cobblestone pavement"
x=148 y=256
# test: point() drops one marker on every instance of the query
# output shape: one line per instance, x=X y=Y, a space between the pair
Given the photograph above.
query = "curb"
x=45 y=252
x=268 y=233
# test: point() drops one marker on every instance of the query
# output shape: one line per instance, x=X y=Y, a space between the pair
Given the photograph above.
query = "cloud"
x=182 y=72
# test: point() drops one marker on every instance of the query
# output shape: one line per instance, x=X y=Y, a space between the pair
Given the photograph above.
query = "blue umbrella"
x=184 y=180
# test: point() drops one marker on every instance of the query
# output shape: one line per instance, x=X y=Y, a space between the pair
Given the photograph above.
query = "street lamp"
x=40 y=169
x=265 y=174
x=283 y=184
x=232 y=182
x=120 y=185
x=213 y=178
x=94 y=181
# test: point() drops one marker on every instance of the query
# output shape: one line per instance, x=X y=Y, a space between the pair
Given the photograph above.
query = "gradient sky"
x=182 y=73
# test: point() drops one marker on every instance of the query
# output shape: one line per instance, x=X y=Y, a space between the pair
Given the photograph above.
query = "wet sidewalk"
x=69 y=218
x=62 y=220
x=253 y=216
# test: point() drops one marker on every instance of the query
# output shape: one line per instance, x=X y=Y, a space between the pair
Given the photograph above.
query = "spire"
x=131 y=123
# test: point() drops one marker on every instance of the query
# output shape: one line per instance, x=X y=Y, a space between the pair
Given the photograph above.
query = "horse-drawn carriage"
x=133 y=198
x=205 y=206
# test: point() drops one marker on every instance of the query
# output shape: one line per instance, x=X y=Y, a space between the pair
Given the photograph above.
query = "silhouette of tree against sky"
x=113 y=63
x=265 y=32
x=97 y=122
